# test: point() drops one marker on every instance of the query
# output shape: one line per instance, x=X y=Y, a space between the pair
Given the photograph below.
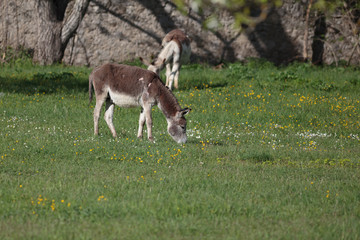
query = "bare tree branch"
x=73 y=21
x=333 y=53
x=306 y=33
x=352 y=53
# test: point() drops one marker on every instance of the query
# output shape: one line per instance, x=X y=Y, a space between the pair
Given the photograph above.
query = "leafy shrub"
x=259 y=63
x=323 y=85
x=17 y=57
x=240 y=72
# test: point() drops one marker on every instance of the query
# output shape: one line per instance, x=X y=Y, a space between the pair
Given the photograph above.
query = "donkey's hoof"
x=151 y=139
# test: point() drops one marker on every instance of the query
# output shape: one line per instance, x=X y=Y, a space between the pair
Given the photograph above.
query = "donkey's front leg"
x=148 y=119
x=141 y=123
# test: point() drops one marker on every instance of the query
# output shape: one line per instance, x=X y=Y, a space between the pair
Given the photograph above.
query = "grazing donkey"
x=129 y=86
x=176 y=50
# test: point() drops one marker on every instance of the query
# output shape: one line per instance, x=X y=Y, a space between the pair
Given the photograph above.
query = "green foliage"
x=16 y=57
x=272 y=152
x=243 y=11
x=332 y=5
x=250 y=12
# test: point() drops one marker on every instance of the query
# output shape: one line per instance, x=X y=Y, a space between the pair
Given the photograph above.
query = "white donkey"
x=176 y=51
x=129 y=86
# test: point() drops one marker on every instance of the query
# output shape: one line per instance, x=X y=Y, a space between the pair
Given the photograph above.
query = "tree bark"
x=48 y=46
x=4 y=12
x=306 y=33
x=319 y=39
x=54 y=32
x=73 y=21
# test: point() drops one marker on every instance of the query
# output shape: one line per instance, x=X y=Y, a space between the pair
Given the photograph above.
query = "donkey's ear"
x=143 y=60
x=185 y=111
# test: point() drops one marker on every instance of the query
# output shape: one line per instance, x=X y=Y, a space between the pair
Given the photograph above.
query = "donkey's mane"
x=167 y=98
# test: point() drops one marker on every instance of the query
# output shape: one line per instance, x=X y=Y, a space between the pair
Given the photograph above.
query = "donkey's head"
x=177 y=126
x=155 y=66
x=154 y=69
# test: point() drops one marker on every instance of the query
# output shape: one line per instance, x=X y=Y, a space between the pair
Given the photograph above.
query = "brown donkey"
x=129 y=86
x=176 y=51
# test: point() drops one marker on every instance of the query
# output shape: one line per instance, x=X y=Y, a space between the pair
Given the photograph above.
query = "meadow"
x=272 y=153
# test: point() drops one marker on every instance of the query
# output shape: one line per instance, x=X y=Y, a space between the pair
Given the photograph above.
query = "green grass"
x=272 y=153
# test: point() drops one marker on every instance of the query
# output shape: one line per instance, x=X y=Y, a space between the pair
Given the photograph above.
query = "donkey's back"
x=119 y=78
x=177 y=35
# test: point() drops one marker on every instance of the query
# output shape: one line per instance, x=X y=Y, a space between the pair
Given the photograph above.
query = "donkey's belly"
x=124 y=100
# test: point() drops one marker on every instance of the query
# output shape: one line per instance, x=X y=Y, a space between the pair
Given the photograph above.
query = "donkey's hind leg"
x=168 y=72
x=176 y=78
x=148 y=120
x=99 y=102
x=174 y=72
x=109 y=113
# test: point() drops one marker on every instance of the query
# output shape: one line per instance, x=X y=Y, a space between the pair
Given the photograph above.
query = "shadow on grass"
x=44 y=83
x=258 y=157
x=201 y=83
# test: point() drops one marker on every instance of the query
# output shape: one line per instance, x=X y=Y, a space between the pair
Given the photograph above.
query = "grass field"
x=272 y=153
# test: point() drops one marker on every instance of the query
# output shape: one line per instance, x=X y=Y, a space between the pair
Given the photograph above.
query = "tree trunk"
x=48 y=47
x=319 y=39
x=5 y=27
x=306 y=32
x=54 y=31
